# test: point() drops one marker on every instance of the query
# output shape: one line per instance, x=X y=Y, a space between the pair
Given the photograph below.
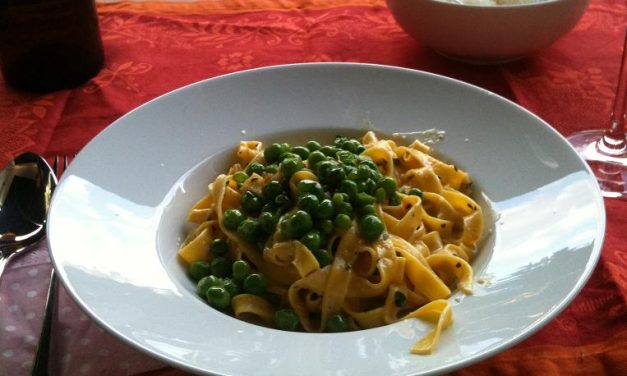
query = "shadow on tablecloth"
x=79 y=346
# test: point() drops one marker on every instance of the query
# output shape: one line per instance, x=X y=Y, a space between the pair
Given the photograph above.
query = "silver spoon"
x=26 y=186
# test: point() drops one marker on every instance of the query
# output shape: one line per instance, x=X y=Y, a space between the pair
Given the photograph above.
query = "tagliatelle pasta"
x=348 y=236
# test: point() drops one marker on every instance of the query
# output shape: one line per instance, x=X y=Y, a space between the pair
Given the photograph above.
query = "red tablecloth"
x=154 y=47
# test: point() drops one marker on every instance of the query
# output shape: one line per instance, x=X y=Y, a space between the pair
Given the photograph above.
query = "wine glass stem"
x=613 y=141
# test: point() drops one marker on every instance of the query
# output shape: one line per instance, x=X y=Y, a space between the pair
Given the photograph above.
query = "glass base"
x=610 y=170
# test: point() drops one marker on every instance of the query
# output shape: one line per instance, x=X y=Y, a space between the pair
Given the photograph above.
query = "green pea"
x=371 y=227
x=240 y=270
x=388 y=184
x=218 y=298
x=329 y=151
x=283 y=202
x=268 y=222
x=301 y=151
x=286 y=319
x=220 y=267
x=353 y=146
x=273 y=152
x=289 y=166
x=367 y=209
x=349 y=187
x=373 y=170
x=351 y=172
x=377 y=176
x=350 y=144
x=315 y=157
x=271 y=168
x=342 y=222
x=251 y=203
x=308 y=203
x=219 y=247
x=199 y=269
x=255 y=168
x=362 y=199
x=415 y=192
x=321 y=168
x=269 y=208
x=346 y=157
x=338 y=141
x=333 y=175
x=364 y=172
x=231 y=287
x=345 y=208
x=306 y=187
x=240 y=177
x=271 y=190
x=368 y=186
x=379 y=195
x=255 y=284
x=248 y=230
x=289 y=155
x=297 y=225
x=205 y=283
x=337 y=323
x=325 y=209
x=312 y=145
x=339 y=198
x=232 y=219
x=367 y=161
x=323 y=257
x=325 y=227
x=311 y=240
x=395 y=199
x=399 y=299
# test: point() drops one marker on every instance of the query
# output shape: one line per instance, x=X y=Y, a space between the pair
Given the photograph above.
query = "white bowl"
x=486 y=33
x=119 y=213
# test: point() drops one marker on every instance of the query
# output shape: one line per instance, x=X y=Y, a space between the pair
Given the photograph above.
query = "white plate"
x=118 y=217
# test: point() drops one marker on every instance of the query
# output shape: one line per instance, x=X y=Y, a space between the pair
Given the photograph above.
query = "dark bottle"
x=47 y=45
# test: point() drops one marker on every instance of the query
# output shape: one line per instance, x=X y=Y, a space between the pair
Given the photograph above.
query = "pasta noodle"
x=338 y=237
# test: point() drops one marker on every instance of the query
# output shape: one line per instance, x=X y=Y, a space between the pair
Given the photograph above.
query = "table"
x=154 y=47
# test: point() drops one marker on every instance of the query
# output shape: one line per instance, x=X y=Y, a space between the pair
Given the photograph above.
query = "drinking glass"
x=606 y=150
x=48 y=45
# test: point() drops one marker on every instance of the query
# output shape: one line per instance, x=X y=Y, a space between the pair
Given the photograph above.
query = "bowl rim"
x=495 y=7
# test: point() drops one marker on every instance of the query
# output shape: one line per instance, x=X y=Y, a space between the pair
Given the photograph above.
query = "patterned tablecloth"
x=154 y=47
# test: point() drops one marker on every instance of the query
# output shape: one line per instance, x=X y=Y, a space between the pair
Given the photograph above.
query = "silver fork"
x=40 y=364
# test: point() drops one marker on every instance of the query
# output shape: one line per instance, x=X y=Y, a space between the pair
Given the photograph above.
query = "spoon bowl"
x=26 y=186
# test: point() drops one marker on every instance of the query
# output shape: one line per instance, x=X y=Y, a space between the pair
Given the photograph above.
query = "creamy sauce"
x=429 y=137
